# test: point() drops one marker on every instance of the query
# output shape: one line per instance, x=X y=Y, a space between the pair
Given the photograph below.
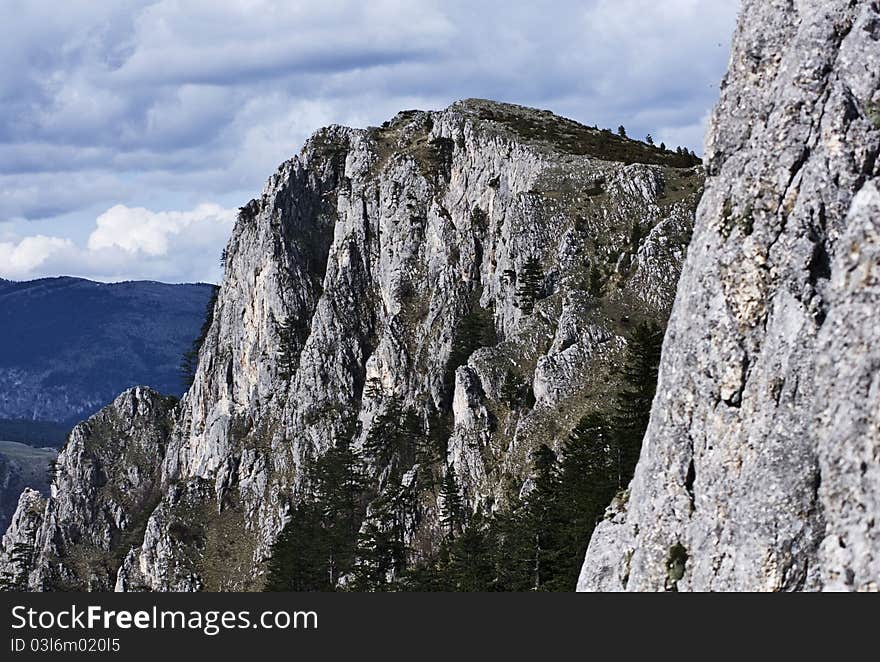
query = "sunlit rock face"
x=106 y=482
x=346 y=285
x=761 y=466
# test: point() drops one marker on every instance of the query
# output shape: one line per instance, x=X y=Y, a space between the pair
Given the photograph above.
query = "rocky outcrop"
x=21 y=467
x=759 y=470
x=846 y=413
x=18 y=557
x=349 y=285
x=106 y=483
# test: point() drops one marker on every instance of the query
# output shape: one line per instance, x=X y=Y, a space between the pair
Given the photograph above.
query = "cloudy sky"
x=131 y=130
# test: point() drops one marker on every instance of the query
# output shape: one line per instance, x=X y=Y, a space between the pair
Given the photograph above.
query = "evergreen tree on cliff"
x=633 y=402
x=452 y=511
x=530 y=284
x=190 y=360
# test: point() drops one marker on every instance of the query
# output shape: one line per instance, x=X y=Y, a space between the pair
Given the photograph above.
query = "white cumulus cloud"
x=139 y=230
x=160 y=104
x=128 y=243
x=23 y=258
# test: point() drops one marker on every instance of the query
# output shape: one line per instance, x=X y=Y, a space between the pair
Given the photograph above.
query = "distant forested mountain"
x=68 y=346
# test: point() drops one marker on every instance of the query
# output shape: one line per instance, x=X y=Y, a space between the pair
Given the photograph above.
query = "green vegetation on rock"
x=534 y=543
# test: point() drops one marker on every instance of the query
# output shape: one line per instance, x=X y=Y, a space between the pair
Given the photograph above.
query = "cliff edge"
x=760 y=469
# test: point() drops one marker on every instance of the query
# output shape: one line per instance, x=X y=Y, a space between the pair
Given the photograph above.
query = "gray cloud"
x=160 y=103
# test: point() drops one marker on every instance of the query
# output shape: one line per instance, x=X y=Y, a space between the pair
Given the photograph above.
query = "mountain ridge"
x=69 y=345
x=437 y=273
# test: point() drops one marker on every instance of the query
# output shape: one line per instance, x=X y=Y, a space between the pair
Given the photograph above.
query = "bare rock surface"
x=759 y=470
x=347 y=283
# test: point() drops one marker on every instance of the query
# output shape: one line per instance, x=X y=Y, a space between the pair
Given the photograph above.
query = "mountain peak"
x=474 y=272
x=547 y=130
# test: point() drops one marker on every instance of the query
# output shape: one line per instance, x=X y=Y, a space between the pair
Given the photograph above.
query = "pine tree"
x=339 y=486
x=596 y=281
x=299 y=556
x=589 y=452
x=473 y=331
x=376 y=560
x=381 y=547
x=621 y=131
x=432 y=446
x=635 y=236
x=470 y=559
x=512 y=537
x=52 y=471
x=319 y=544
x=394 y=439
x=543 y=507
x=190 y=360
x=373 y=388
x=15 y=576
x=452 y=509
x=431 y=574
x=290 y=332
x=531 y=284
x=512 y=390
x=633 y=402
x=588 y=480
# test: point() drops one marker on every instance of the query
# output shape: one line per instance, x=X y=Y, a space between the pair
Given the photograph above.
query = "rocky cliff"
x=21 y=466
x=353 y=288
x=760 y=467
x=106 y=482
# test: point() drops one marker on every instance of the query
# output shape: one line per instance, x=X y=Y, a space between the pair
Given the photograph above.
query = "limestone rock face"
x=21 y=467
x=106 y=483
x=17 y=546
x=759 y=470
x=347 y=284
x=847 y=396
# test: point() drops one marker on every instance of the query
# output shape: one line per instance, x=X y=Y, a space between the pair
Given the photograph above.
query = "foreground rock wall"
x=761 y=466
